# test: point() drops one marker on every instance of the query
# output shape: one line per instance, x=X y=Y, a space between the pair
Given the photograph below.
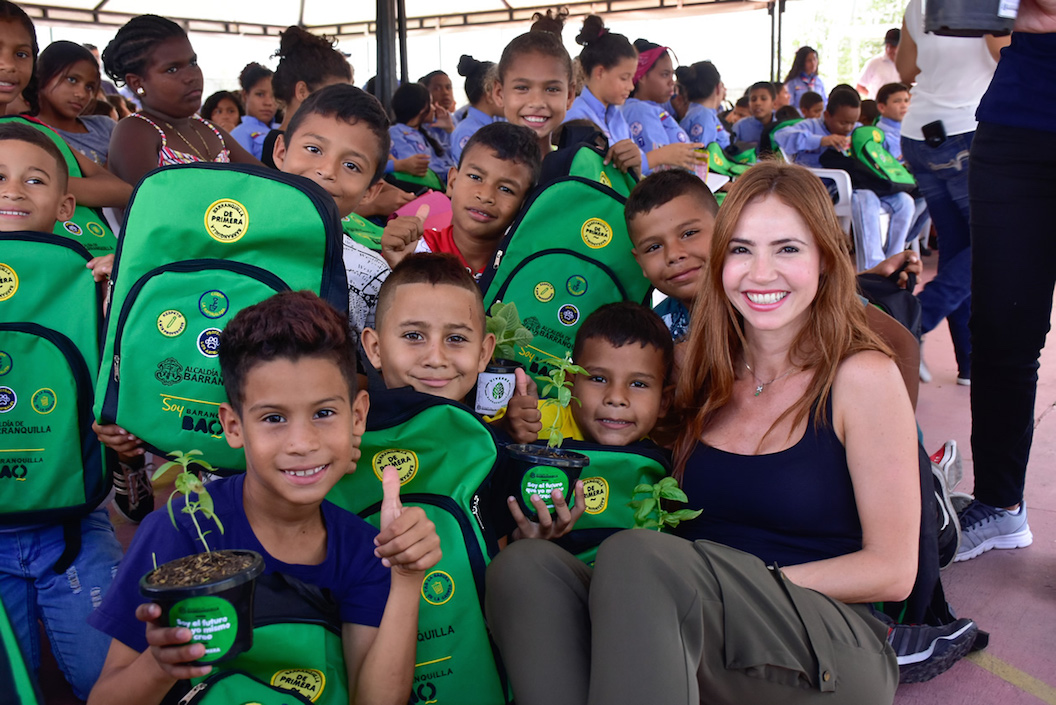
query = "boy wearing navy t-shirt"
x=288 y=365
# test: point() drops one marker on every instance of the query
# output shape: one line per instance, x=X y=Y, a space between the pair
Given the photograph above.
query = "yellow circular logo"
x=544 y=292
x=438 y=588
x=226 y=220
x=95 y=229
x=307 y=681
x=171 y=323
x=405 y=462
x=8 y=282
x=604 y=178
x=43 y=401
x=595 y=495
x=596 y=233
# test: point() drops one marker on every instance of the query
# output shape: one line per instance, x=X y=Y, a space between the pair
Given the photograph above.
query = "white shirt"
x=878 y=72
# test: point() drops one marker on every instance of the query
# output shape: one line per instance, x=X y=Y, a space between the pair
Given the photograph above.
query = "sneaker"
x=947 y=460
x=924 y=651
x=925 y=373
x=949 y=534
x=133 y=493
x=984 y=527
x=964 y=381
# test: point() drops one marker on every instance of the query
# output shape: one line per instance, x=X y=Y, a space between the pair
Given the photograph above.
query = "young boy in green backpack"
x=33 y=196
x=289 y=369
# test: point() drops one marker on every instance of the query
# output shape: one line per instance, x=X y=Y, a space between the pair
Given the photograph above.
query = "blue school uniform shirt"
x=892 y=136
x=608 y=119
x=651 y=126
x=749 y=129
x=408 y=141
x=801 y=143
x=351 y=572
x=473 y=121
x=703 y=125
x=803 y=84
x=251 y=133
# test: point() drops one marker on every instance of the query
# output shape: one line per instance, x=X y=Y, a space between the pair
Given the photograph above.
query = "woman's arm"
x=906 y=57
x=98 y=188
x=873 y=418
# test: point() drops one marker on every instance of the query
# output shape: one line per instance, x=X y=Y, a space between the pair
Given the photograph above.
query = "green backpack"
x=14 y=672
x=579 y=154
x=456 y=662
x=296 y=651
x=362 y=231
x=201 y=242
x=867 y=146
x=87 y=226
x=719 y=163
x=608 y=488
x=411 y=182
x=566 y=255
x=51 y=466
x=745 y=157
x=774 y=146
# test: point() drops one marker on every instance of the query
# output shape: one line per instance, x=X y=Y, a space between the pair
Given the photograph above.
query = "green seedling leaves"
x=504 y=323
x=188 y=483
x=649 y=513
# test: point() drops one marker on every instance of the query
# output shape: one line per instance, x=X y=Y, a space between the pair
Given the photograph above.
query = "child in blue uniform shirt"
x=705 y=91
x=653 y=127
x=609 y=62
x=803 y=76
x=892 y=100
x=761 y=102
x=411 y=109
x=482 y=109
x=260 y=108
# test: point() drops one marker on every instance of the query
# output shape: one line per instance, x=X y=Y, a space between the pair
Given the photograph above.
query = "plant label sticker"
x=542 y=480
x=596 y=233
x=307 y=681
x=212 y=621
x=171 y=323
x=595 y=495
x=8 y=282
x=226 y=220
x=405 y=462
x=437 y=588
x=494 y=390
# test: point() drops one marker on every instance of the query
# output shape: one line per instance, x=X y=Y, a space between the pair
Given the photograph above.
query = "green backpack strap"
x=362 y=231
x=87 y=225
x=867 y=146
x=774 y=146
x=456 y=663
x=228 y=687
x=15 y=679
x=719 y=163
x=608 y=488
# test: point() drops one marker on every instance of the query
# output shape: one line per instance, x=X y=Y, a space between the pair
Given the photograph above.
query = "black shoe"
x=133 y=493
x=924 y=651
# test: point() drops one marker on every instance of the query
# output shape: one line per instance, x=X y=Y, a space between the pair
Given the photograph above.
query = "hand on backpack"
x=523 y=420
x=401 y=235
x=625 y=155
x=169 y=647
x=548 y=527
x=838 y=142
x=118 y=440
x=407 y=542
x=680 y=154
x=101 y=267
x=416 y=164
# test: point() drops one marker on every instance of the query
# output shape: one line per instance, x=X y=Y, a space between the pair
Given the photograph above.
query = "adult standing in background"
x=803 y=76
x=1012 y=187
x=880 y=70
x=951 y=75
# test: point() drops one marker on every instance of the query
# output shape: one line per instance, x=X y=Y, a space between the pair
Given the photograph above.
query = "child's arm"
x=680 y=154
x=625 y=155
x=380 y=662
x=416 y=164
x=98 y=188
x=386 y=200
x=401 y=236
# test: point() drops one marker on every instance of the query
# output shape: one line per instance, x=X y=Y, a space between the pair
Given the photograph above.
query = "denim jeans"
x=942 y=175
x=1013 y=187
x=31 y=590
x=865 y=215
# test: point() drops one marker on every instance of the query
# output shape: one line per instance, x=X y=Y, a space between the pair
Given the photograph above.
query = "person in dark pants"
x=1012 y=185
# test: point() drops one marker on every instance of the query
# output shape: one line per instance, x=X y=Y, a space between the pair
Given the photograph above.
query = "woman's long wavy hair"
x=836 y=327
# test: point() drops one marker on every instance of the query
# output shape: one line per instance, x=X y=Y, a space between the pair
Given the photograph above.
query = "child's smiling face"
x=671 y=244
x=535 y=92
x=32 y=191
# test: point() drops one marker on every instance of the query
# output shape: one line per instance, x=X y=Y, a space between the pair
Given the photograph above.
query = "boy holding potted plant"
x=289 y=370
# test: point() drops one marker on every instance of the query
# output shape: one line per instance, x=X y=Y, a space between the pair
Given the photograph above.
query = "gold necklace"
x=186 y=141
x=761 y=385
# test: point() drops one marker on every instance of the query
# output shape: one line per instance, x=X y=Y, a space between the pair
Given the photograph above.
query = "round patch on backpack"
x=307 y=681
x=438 y=587
x=544 y=292
x=6 y=363
x=213 y=304
x=8 y=399
x=171 y=323
x=43 y=401
x=576 y=285
x=8 y=282
x=595 y=495
x=568 y=315
x=405 y=462
x=226 y=220
x=72 y=228
x=95 y=229
x=209 y=342
x=596 y=233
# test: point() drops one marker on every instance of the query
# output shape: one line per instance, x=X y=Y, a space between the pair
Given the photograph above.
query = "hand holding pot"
x=407 y=542
x=548 y=527
x=169 y=647
x=523 y=419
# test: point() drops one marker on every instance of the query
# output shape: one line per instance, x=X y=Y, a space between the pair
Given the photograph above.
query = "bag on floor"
x=200 y=243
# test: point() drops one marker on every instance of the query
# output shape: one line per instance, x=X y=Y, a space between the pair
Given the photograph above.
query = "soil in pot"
x=199 y=569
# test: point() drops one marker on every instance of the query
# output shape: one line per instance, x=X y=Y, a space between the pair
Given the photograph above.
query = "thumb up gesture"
x=407 y=542
x=523 y=420
x=401 y=235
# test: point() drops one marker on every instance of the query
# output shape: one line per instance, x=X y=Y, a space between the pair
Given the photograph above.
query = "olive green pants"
x=664 y=620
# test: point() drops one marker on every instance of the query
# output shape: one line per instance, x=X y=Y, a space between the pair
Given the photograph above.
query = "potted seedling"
x=649 y=513
x=496 y=384
x=210 y=593
x=544 y=468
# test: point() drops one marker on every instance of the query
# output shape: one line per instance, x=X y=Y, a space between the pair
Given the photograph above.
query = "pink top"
x=167 y=156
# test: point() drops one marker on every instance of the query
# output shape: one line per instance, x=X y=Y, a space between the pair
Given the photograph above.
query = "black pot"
x=969 y=18
x=495 y=386
x=218 y=613
x=537 y=469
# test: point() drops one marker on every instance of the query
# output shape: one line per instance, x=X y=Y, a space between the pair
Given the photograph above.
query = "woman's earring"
x=140 y=91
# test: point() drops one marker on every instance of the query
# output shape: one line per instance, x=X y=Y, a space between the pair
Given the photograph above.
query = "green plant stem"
x=201 y=536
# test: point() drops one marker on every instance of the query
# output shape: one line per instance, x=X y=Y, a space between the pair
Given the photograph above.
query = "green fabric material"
x=202 y=242
x=588 y=164
x=50 y=463
x=867 y=146
x=719 y=163
x=362 y=231
x=774 y=146
x=237 y=688
x=87 y=226
x=430 y=179
x=748 y=156
x=15 y=681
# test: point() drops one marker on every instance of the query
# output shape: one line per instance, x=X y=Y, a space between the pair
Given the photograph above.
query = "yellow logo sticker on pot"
x=226 y=220
x=438 y=588
x=307 y=681
x=8 y=282
x=171 y=323
x=595 y=495
x=405 y=462
x=596 y=233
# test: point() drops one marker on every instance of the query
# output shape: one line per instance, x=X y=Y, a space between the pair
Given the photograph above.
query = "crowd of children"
x=754 y=300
